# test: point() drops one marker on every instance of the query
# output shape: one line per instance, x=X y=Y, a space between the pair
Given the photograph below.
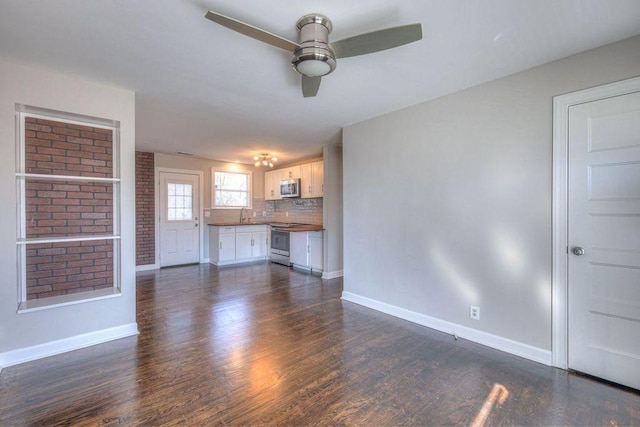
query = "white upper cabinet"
x=292 y=172
x=312 y=181
x=311 y=177
x=272 y=185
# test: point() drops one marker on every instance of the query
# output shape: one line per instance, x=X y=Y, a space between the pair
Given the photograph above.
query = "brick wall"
x=145 y=209
x=68 y=267
x=56 y=208
x=62 y=208
x=58 y=148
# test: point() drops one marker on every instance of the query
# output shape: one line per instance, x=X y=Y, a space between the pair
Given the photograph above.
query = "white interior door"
x=179 y=224
x=604 y=239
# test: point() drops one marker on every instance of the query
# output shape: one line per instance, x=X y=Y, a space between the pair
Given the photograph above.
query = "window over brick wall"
x=68 y=185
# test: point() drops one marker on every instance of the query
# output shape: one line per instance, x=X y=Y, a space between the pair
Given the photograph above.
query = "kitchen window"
x=231 y=190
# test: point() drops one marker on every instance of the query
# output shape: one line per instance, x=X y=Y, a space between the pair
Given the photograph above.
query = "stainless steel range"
x=279 y=245
x=279 y=252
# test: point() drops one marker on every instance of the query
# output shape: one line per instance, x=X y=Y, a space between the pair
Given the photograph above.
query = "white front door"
x=179 y=224
x=604 y=239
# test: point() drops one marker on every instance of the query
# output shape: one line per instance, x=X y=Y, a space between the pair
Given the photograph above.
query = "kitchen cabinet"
x=222 y=244
x=292 y=172
x=237 y=244
x=316 y=250
x=298 y=251
x=251 y=242
x=306 y=250
x=311 y=177
x=312 y=180
x=272 y=185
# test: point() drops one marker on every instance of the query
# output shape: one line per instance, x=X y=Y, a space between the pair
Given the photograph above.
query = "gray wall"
x=41 y=88
x=332 y=212
x=448 y=203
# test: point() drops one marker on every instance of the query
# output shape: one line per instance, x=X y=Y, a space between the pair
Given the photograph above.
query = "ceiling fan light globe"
x=314 y=60
x=257 y=164
x=313 y=68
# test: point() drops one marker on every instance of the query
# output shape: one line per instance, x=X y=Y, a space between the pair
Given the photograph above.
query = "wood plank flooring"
x=264 y=345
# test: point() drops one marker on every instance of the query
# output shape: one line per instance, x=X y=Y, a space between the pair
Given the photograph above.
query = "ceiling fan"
x=314 y=56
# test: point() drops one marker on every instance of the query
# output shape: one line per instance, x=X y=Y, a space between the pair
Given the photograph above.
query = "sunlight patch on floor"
x=498 y=394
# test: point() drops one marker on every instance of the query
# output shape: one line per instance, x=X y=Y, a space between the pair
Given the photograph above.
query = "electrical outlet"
x=286 y=214
x=474 y=312
x=264 y=213
x=254 y=214
x=207 y=214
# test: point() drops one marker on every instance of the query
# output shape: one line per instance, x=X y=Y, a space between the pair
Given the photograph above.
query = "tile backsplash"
x=306 y=211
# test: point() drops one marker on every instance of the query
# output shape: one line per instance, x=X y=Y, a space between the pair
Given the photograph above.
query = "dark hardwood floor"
x=262 y=344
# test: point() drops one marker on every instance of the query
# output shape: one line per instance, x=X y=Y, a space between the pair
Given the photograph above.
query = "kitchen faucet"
x=242 y=215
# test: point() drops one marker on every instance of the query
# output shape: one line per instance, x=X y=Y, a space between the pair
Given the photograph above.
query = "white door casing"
x=596 y=296
x=604 y=220
x=179 y=218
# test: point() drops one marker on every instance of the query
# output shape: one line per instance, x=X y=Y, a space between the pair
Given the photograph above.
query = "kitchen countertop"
x=236 y=223
x=293 y=228
x=304 y=227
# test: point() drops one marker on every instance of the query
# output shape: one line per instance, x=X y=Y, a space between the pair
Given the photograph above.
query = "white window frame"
x=193 y=214
x=249 y=175
x=22 y=241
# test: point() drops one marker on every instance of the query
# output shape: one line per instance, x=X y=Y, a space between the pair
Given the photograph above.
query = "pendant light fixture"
x=264 y=159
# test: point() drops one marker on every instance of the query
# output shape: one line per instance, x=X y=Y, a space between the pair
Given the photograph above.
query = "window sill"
x=70 y=299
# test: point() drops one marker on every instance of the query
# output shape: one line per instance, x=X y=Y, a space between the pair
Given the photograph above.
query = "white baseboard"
x=21 y=355
x=205 y=261
x=332 y=274
x=147 y=267
x=504 y=344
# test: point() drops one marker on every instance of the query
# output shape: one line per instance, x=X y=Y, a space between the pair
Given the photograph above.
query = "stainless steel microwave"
x=290 y=188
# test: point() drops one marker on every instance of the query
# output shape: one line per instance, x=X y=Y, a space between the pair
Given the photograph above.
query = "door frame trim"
x=157 y=171
x=560 y=197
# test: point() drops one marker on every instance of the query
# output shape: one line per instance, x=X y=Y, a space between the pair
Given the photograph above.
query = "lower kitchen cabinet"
x=306 y=250
x=237 y=244
x=222 y=244
x=316 y=250
x=251 y=242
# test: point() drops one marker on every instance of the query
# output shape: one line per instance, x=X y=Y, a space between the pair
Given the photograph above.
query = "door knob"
x=577 y=251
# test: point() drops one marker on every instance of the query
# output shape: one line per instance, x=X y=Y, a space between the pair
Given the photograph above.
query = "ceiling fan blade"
x=251 y=31
x=310 y=86
x=377 y=40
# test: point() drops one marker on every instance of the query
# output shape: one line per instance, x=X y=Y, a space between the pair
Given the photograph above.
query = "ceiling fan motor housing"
x=314 y=47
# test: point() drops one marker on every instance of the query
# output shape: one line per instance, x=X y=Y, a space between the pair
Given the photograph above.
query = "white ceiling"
x=204 y=89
